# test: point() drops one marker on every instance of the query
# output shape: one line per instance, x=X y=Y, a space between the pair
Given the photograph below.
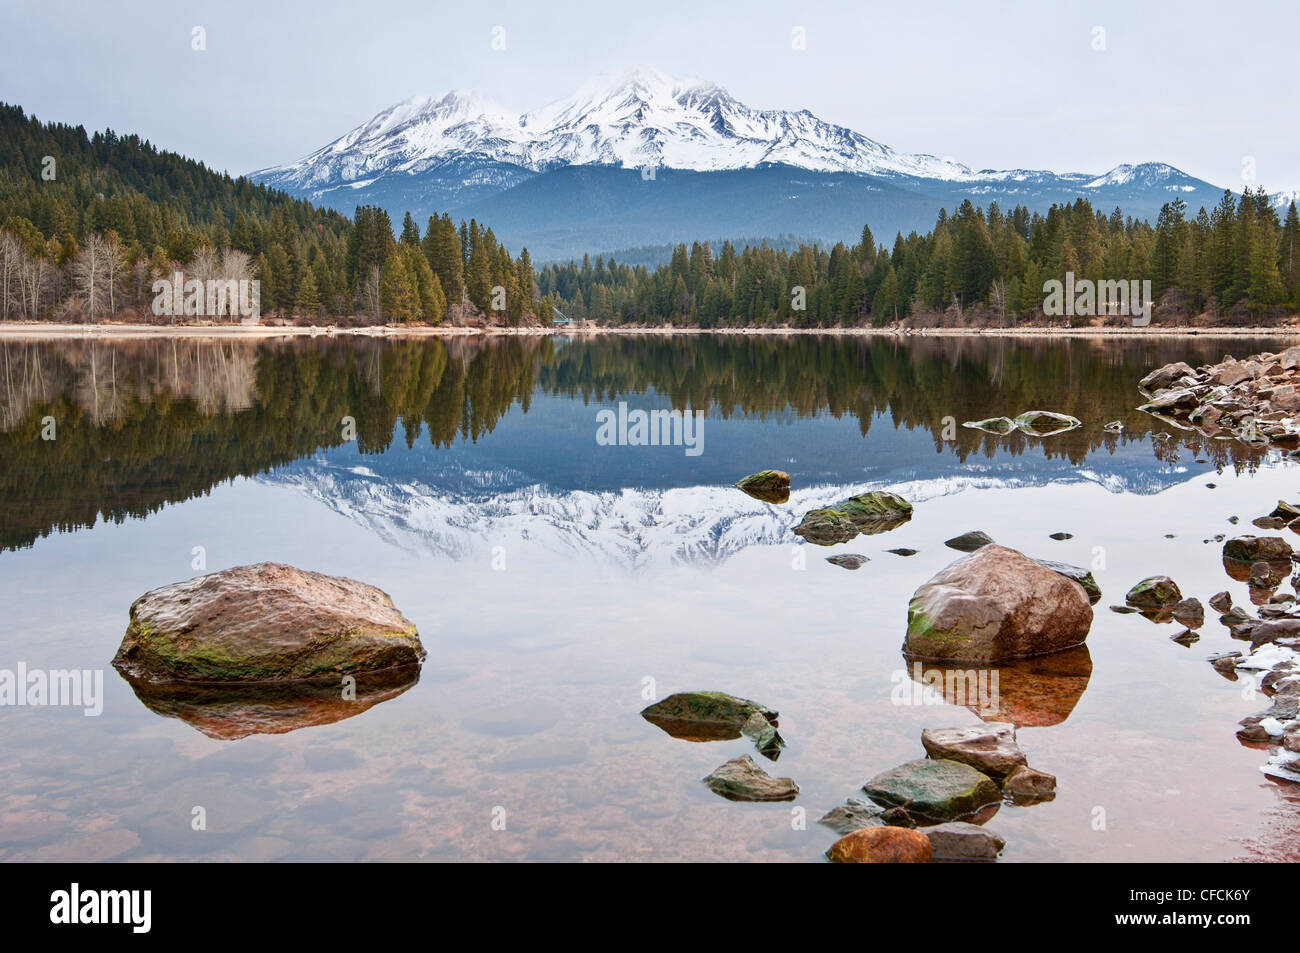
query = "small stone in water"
x=1221 y=601
x=902 y=551
x=1062 y=536
x=848 y=560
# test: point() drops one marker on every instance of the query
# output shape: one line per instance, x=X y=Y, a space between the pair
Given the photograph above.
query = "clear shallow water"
x=550 y=577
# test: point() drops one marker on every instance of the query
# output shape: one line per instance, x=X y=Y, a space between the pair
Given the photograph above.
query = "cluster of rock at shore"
x=1274 y=636
x=1256 y=400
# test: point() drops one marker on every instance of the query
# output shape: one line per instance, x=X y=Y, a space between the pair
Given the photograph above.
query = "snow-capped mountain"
x=572 y=169
x=633 y=120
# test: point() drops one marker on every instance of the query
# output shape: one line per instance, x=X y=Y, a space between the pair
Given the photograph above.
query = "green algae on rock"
x=1080 y=575
x=867 y=513
x=1154 y=592
x=936 y=790
x=770 y=486
x=263 y=623
x=705 y=716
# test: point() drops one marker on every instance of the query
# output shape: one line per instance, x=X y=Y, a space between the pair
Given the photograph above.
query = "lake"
x=562 y=582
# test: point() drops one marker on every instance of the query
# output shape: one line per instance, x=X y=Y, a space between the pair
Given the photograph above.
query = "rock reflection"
x=1029 y=693
x=230 y=711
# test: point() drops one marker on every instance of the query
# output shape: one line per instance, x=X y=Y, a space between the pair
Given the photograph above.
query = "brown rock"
x=267 y=622
x=1252 y=549
x=1290 y=358
x=1190 y=613
x=1271 y=630
x=1285 y=398
x=990 y=747
x=959 y=840
x=881 y=845
x=1025 y=785
x=740 y=779
x=993 y=605
x=1166 y=376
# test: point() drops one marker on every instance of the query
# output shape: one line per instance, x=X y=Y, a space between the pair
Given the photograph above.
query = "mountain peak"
x=639 y=118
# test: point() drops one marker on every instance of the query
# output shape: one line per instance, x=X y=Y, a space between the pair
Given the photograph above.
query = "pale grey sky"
x=1201 y=85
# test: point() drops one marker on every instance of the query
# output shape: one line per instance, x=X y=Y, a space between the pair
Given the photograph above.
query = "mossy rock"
x=876 y=505
x=826 y=527
x=934 y=789
x=770 y=486
x=875 y=512
x=705 y=716
x=1154 y=592
x=1080 y=575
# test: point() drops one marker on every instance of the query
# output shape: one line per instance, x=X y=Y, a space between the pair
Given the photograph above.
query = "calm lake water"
x=560 y=585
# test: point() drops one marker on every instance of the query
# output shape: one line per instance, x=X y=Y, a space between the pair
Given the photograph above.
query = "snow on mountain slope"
x=636 y=119
x=1148 y=175
x=630 y=527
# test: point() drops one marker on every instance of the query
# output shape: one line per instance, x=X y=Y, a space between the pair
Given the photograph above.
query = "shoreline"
x=37 y=330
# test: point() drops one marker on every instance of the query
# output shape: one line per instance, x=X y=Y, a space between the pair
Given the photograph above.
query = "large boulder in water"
x=993 y=605
x=267 y=622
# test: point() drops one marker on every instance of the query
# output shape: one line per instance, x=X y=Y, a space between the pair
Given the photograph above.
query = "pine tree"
x=410 y=231
x=398 y=295
x=308 y=297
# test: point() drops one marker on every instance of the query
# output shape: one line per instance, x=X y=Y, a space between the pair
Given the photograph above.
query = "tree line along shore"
x=91 y=224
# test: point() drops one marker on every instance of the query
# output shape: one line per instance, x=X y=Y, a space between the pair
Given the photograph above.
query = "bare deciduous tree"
x=90 y=275
x=12 y=255
x=370 y=294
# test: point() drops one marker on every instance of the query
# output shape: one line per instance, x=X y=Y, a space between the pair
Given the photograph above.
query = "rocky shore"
x=1255 y=400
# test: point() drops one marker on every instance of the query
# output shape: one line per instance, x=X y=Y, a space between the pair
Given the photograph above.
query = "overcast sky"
x=1201 y=85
